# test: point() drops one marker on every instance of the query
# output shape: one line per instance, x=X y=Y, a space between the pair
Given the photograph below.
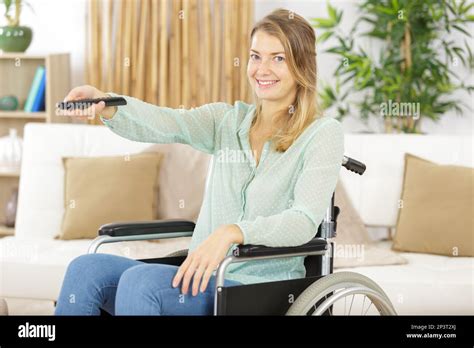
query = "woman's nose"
x=264 y=68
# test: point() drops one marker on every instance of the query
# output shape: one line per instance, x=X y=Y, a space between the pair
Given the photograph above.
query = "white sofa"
x=32 y=263
x=427 y=284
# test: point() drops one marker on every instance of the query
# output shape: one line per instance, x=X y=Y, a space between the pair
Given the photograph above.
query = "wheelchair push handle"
x=353 y=165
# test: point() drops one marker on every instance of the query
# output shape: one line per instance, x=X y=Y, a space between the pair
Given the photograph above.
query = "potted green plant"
x=412 y=75
x=14 y=37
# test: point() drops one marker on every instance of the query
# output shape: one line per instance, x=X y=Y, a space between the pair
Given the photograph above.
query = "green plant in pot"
x=411 y=75
x=14 y=37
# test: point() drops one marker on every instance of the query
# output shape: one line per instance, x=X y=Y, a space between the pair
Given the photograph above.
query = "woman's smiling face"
x=267 y=69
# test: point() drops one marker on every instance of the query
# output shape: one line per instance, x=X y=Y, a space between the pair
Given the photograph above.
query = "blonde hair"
x=299 y=42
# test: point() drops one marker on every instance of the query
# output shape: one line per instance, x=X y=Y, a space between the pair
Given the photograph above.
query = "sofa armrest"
x=134 y=228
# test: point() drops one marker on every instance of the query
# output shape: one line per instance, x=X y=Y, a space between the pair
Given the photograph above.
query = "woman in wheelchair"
x=277 y=197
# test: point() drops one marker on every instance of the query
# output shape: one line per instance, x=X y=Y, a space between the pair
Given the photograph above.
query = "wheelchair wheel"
x=342 y=293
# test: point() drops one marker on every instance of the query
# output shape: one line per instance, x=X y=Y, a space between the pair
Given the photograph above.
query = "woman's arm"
x=313 y=191
x=144 y=122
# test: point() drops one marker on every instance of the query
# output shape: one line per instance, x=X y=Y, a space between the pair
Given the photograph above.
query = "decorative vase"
x=11 y=151
x=9 y=103
x=10 y=209
x=15 y=39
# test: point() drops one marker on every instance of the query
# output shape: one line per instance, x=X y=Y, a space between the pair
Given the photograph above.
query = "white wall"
x=60 y=26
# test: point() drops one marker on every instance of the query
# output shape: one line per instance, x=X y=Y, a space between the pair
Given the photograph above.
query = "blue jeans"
x=123 y=286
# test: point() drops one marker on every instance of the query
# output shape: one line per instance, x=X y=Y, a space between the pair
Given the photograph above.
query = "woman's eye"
x=279 y=58
x=254 y=56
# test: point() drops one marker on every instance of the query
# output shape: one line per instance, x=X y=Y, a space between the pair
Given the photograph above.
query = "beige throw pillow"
x=100 y=190
x=352 y=245
x=182 y=180
x=437 y=213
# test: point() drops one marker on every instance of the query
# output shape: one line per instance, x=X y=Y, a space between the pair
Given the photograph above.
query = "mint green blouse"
x=280 y=202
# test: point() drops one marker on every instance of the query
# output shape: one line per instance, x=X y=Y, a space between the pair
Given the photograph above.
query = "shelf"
x=9 y=172
x=17 y=72
x=19 y=69
x=15 y=55
x=6 y=231
x=22 y=114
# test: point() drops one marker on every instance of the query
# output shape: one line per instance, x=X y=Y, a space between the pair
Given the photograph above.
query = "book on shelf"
x=35 y=101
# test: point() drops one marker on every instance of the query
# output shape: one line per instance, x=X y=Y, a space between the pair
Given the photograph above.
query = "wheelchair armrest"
x=133 y=228
x=249 y=250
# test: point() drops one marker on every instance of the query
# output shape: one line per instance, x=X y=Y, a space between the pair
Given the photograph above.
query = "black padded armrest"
x=249 y=250
x=132 y=228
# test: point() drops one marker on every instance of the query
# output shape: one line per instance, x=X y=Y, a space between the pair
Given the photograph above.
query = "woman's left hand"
x=202 y=262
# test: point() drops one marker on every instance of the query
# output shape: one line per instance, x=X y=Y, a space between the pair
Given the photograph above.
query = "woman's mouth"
x=265 y=84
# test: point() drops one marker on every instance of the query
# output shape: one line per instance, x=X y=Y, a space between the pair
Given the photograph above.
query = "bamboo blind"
x=175 y=53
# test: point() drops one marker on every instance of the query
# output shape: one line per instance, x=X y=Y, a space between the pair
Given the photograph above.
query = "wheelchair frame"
x=269 y=298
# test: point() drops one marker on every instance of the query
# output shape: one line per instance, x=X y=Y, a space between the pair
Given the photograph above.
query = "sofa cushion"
x=375 y=194
x=436 y=209
x=100 y=190
x=427 y=284
x=35 y=268
x=182 y=180
x=41 y=193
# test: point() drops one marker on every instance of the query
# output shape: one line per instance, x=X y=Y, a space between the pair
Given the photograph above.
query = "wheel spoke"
x=363 y=303
x=368 y=307
x=351 y=304
x=345 y=300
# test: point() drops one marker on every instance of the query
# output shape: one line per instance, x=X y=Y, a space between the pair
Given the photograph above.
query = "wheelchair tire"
x=325 y=286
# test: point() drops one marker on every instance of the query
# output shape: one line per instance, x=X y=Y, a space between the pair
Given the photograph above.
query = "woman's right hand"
x=88 y=92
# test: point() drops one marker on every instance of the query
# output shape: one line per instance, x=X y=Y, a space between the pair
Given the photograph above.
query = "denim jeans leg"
x=146 y=290
x=91 y=283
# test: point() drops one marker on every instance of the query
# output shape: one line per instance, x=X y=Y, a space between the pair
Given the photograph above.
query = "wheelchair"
x=320 y=292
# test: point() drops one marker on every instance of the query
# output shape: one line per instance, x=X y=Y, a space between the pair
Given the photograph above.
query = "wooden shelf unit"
x=17 y=71
x=25 y=115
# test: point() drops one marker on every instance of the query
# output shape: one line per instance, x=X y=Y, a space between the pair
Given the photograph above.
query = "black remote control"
x=85 y=103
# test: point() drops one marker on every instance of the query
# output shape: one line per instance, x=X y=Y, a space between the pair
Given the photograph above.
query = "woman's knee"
x=93 y=267
x=85 y=264
x=143 y=279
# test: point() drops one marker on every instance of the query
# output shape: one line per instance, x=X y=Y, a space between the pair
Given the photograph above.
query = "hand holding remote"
x=85 y=103
x=86 y=92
